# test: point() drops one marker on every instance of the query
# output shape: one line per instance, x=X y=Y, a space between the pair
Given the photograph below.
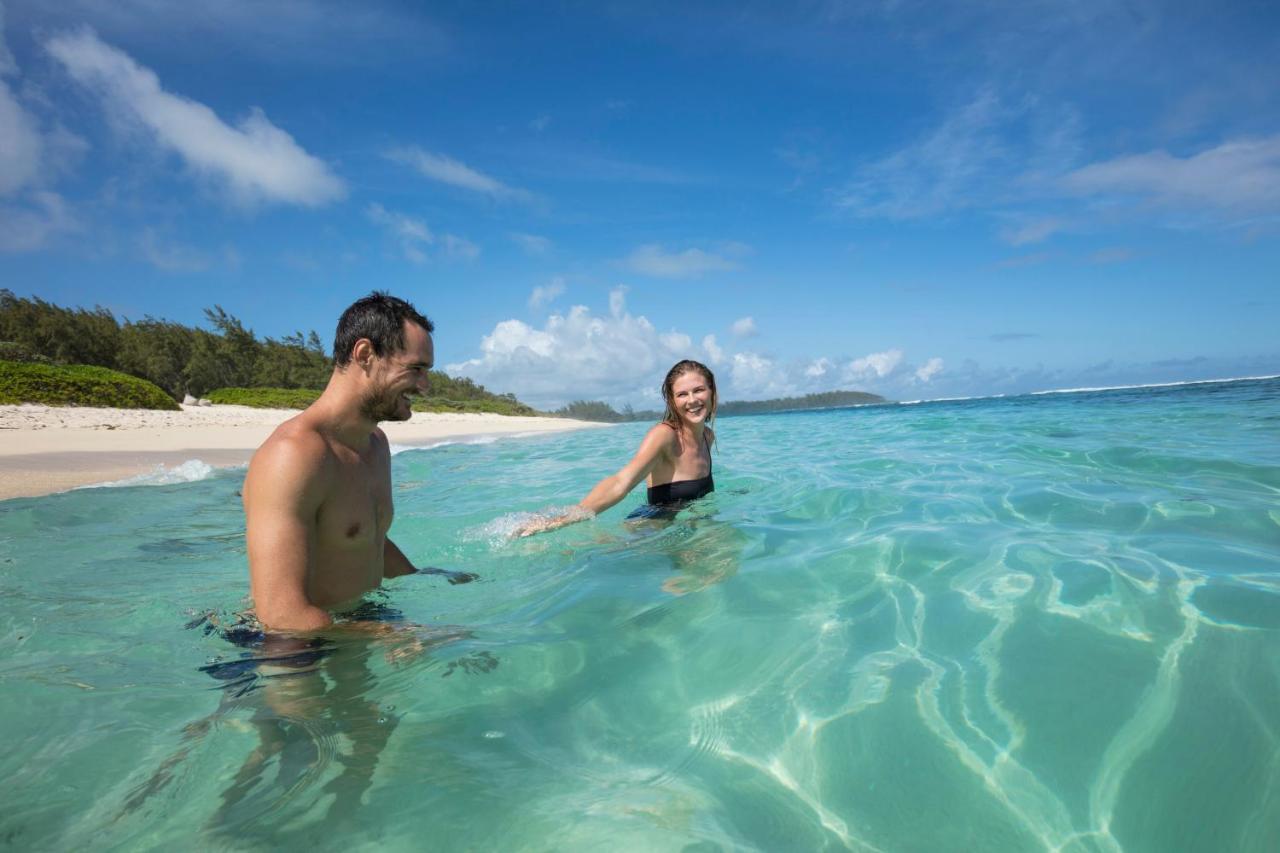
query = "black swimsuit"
x=663 y=500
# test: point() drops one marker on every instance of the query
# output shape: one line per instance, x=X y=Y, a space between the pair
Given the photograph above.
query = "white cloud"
x=257 y=161
x=754 y=376
x=7 y=64
x=415 y=237
x=576 y=355
x=819 y=367
x=1033 y=231
x=744 y=327
x=877 y=364
x=715 y=354
x=676 y=343
x=460 y=247
x=531 y=243
x=930 y=369
x=545 y=294
x=446 y=170
x=1240 y=176
x=540 y=123
x=170 y=257
x=20 y=144
x=29 y=225
x=653 y=260
x=937 y=172
x=412 y=234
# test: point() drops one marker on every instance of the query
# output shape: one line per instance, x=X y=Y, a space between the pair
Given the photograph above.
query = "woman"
x=675 y=455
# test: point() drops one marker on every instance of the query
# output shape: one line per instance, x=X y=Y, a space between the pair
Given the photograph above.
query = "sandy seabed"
x=45 y=449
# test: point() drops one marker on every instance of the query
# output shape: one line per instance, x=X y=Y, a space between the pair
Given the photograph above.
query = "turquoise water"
x=1036 y=623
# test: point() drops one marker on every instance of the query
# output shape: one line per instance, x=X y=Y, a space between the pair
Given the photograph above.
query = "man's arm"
x=394 y=562
x=282 y=495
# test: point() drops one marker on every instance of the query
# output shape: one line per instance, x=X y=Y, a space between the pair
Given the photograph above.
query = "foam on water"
x=1036 y=623
x=191 y=471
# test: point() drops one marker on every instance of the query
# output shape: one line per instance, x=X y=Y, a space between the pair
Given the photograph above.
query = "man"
x=317 y=498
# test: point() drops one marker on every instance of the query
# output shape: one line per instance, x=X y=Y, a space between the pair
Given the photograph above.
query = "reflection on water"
x=939 y=627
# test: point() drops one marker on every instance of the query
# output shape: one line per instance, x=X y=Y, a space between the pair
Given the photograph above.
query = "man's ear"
x=362 y=353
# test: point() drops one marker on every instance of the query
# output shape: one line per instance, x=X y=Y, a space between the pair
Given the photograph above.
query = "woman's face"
x=691 y=395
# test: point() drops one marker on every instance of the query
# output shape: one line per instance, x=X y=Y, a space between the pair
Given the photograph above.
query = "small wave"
x=948 y=400
x=446 y=442
x=188 y=472
x=1153 y=385
x=504 y=527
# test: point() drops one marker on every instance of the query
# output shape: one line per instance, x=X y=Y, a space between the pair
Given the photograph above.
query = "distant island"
x=584 y=410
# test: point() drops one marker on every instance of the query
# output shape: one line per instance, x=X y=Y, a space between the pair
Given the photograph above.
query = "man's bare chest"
x=357 y=510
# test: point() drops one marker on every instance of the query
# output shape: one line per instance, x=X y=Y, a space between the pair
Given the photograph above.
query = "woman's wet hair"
x=380 y=317
x=680 y=368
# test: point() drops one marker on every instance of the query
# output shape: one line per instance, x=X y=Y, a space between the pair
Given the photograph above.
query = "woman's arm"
x=615 y=487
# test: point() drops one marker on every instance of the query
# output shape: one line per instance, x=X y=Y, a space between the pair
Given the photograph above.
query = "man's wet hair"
x=380 y=317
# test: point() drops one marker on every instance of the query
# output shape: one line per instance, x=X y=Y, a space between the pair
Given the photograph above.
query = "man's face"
x=398 y=376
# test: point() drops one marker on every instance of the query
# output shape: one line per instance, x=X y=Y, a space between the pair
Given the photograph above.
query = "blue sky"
x=918 y=199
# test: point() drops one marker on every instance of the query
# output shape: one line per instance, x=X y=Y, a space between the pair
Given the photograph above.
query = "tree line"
x=183 y=359
x=595 y=410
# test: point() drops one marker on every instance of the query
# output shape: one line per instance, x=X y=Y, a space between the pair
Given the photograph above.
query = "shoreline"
x=50 y=449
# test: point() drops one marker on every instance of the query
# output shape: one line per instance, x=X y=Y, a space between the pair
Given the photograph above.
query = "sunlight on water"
x=1035 y=623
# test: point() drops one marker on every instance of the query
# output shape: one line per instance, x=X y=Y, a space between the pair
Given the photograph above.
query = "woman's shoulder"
x=662 y=430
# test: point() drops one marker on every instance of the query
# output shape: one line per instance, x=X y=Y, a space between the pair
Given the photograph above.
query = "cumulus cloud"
x=618 y=358
x=545 y=294
x=256 y=161
x=744 y=327
x=415 y=237
x=929 y=369
x=819 y=367
x=1241 y=176
x=715 y=354
x=676 y=342
x=877 y=364
x=447 y=170
x=756 y=376
x=652 y=259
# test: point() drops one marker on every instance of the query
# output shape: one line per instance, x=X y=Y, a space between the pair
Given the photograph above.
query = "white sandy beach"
x=46 y=449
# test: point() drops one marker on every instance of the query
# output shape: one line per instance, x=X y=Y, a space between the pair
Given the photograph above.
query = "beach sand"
x=45 y=449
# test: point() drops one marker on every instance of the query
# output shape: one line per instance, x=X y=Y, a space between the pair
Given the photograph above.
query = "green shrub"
x=300 y=398
x=264 y=398
x=14 y=351
x=494 y=405
x=78 y=385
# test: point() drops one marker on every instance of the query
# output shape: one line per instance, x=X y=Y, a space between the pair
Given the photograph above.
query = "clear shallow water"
x=1031 y=623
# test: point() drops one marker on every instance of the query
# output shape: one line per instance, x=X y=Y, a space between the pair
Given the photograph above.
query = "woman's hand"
x=542 y=525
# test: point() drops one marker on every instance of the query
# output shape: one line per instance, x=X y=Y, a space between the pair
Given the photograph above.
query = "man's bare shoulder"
x=296 y=449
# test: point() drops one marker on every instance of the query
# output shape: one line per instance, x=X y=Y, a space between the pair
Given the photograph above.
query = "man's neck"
x=339 y=411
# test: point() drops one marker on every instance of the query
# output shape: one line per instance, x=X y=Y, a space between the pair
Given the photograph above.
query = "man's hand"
x=452 y=577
